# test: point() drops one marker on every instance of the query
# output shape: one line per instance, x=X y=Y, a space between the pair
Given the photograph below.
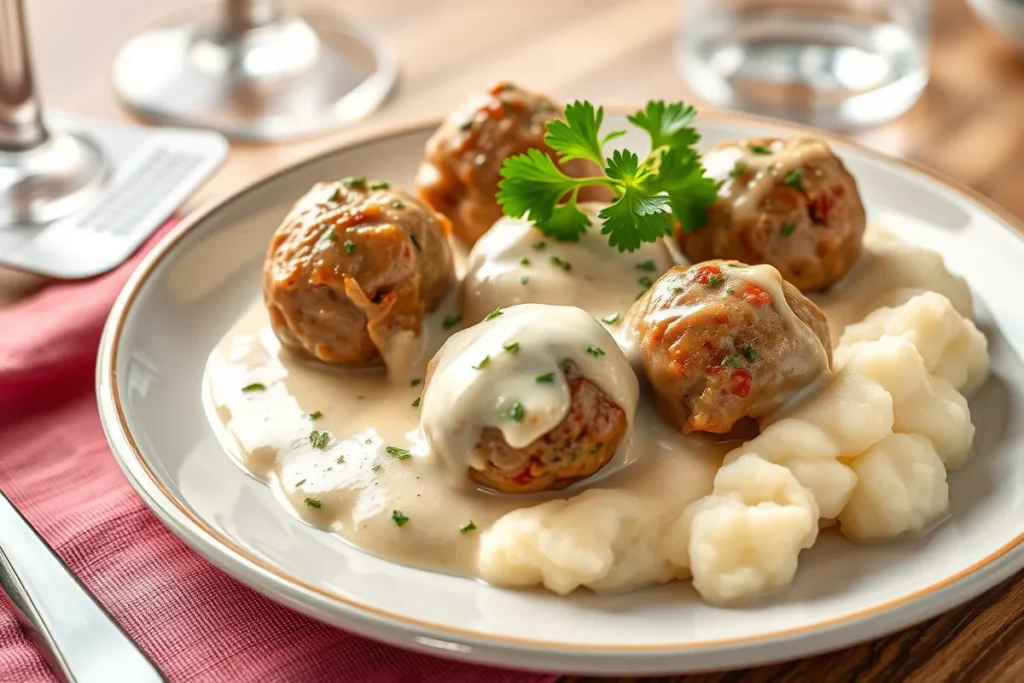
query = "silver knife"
x=80 y=641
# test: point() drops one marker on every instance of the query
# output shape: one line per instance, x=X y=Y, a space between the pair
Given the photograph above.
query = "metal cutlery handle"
x=81 y=642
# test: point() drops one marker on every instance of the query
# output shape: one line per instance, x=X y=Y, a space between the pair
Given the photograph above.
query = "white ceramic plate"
x=190 y=289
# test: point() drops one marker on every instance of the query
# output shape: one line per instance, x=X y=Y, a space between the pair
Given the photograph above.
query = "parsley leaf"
x=640 y=215
x=667 y=124
x=578 y=136
x=681 y=177
x=532 y=183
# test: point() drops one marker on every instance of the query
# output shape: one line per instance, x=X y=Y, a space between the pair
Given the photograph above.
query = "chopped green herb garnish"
x=524 y=261
x=316 y=415
x=318 y=439
x=645 y=281
x=795 y=178
x=516 y=413
x=787 y=228
x=399 y=518
x=564 y=265
x=732 y=361
x=416 y=382
x=677 y=290
x=749 y=353
x=354 y=182
x=595 y=351
x=492 y=315
x=398 y=204
x=312 y=503
x=511 y=347
x=380 y=185
x=738 y=170
x=483 y=363
x=540 y=246
x=760 y=149
x=651 y=194
x=647 y=265
x=611 y=319
x=300 y=483
x=350 y=247
x=467 y=527
x=331 y=235
x=400 y=453
x=547 y=377
x=524 y=279
x=714 y=281
x=451 y=321
x=255 y=386
x=335 y=196
x=730 y=290
x=340 y=460
x=416 y=403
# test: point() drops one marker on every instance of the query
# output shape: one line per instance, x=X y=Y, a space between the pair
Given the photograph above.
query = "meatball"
x=461 y=166
x=789 y=203
x=720 y=341
x=531 y=399
x=351 y=271
x=580 y=445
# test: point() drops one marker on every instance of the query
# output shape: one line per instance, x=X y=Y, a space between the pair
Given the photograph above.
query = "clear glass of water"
x=830 y=63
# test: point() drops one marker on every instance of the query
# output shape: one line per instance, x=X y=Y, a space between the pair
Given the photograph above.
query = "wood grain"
x=969 y=125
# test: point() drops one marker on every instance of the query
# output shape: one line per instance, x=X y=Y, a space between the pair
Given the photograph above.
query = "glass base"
x=298 y=77
x=819 y=70
x=50 y=181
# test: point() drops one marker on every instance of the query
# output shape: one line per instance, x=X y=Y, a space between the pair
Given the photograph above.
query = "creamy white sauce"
x=478 y=379
x=358 y=485
x=762 y=171
x=513 y=263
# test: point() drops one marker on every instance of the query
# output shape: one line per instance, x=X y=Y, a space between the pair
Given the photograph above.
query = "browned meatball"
x=580 y=445
x=461 y=166
x=352 y=269
x=787 y=202
x=720 y=341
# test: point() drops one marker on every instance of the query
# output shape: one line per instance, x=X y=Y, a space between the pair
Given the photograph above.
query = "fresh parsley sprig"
x=669 y=182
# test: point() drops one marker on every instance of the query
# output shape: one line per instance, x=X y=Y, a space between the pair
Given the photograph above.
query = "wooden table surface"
x=969 y=124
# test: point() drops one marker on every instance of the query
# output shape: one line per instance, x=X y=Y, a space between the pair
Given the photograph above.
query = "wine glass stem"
x=240 y=16
x=21 y=123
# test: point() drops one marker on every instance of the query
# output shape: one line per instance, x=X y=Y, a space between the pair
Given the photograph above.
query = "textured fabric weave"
x=196 y=623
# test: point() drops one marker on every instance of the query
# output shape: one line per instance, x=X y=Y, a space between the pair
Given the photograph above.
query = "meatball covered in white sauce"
x=515 y=263
x=720 y=341
x=351 y=271
x=789 y=203
x=534 y=398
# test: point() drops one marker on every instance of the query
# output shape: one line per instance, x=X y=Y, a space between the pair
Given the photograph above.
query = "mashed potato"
x=901 y=487
x=601 y=539
x=744 y=538
x=951 y=345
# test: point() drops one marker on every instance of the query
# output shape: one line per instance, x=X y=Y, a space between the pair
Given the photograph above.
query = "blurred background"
x=968 y=123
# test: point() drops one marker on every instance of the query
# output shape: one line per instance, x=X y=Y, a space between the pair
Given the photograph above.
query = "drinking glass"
x=829 y=63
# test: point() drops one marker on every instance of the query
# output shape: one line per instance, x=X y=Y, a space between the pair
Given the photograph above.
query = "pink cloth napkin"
x=195 y=622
